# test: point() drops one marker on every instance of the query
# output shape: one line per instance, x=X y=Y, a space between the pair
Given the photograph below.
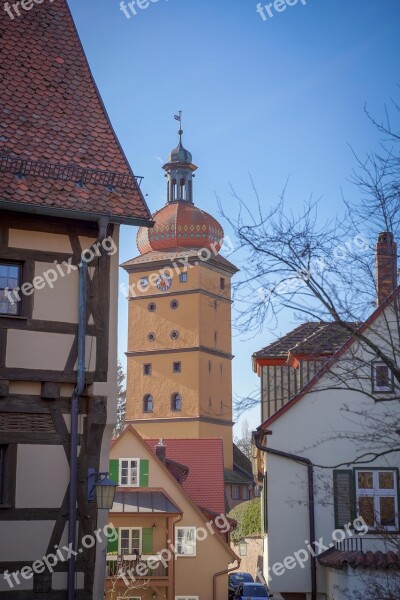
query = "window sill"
x=5 y=506
x=17 y=317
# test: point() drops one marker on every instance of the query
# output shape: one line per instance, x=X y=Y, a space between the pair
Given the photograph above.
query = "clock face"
x=164 y=282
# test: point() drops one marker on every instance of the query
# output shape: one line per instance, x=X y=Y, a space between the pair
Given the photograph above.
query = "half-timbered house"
x=65 y=188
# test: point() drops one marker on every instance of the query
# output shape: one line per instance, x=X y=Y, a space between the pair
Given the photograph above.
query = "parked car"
x=251 y=591
x=235 y=579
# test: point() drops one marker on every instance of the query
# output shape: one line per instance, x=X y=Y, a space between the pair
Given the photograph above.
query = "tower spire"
x=180 y=169
x=178 y=117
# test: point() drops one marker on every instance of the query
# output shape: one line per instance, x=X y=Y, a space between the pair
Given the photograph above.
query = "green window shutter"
x=344 y=498
x=144 y=473
x=112 y=546
x=114 y=470
x=147 y=541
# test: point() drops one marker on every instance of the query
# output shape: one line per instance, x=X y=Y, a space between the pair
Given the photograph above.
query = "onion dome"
x=180 y=224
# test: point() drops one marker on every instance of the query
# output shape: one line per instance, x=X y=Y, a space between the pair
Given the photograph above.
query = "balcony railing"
x=353 y=544
x=139 y=567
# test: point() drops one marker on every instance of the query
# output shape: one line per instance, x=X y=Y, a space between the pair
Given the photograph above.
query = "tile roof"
x=338 y=559
x=241 y=462
x=204 y=458
x=51 y=111
x=233 y=476
x=309 y=338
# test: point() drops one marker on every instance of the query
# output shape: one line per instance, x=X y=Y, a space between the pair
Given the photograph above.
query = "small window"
x=130 y=541
x=183 y=277
x=143 y=284
x=236 y=492
x=215 y=305
x=221 y=368
x=174 y=304
x=210 y=401
x=215 y=337
x=152 y=307
x=147 y=369
x=382 y=378
x=186 y=541
x=222 y=283
x=10 y=282
x=129 y=469
x=177 y=367
x=174 y=335
x=176 y=402
x=151 y=337
x=148 y=403
x=245 y=492
x=377 y=502
x=209 y=366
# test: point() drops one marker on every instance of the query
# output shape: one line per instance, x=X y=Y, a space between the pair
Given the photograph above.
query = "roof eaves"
x=327 y=366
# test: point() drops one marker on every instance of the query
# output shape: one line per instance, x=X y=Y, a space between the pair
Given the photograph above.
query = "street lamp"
x=101 y=489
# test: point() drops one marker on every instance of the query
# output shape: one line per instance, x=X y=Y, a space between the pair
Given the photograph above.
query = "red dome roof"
x=180 y=225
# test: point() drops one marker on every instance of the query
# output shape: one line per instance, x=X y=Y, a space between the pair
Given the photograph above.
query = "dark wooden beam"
x=35 y=404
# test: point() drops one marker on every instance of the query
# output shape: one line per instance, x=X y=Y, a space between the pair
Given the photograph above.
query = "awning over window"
x=144 y=502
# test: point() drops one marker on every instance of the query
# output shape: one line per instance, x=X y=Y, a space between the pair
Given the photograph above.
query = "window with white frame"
x=377 y=501
x=10 y=279
x=129 y=472
x=186 y=541
x=130 y=541
x=382 y=378
x=236 y=492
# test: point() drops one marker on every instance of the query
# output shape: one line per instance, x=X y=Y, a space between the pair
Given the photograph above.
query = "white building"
x=326 y=454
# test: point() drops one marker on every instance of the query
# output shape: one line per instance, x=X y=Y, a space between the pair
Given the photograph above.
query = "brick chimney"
x=386 y=266
x=161 y=451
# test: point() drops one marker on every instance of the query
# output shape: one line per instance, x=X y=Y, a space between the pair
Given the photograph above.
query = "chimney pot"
x=386 y=266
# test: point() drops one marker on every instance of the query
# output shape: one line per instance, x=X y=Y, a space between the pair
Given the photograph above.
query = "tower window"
x=210 y=401
x=209 y=366
x=148 y=403
x=215 y=305
x=152 y=306
x=151 y=337
x=177 y=367
x=176 y=402
x=215 y=337
x=143 y=284
x=174 y=304
x=183 y=189
x=174 y=335
x=221 y=368
x=222 y=283
x=147 y=369
x=183 y=277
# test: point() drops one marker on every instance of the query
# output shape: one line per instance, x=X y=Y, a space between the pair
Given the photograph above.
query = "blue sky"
x=276 y=98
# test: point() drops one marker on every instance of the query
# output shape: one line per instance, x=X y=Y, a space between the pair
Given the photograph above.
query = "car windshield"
x=240 y=577
x=255 y=591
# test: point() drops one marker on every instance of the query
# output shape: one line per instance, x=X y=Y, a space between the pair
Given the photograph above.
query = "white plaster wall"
x=311 y=428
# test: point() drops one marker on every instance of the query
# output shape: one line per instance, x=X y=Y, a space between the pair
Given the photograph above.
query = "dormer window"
x=382 y=378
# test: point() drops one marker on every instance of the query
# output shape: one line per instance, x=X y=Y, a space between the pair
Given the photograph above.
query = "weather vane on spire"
x=178 y=117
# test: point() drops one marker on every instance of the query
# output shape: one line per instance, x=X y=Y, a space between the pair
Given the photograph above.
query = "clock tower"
x=179 y=373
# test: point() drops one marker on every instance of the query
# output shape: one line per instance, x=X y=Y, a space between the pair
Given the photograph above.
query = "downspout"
x=257 y=435
x=80 y=386
x=225 y=572
x=178 y=520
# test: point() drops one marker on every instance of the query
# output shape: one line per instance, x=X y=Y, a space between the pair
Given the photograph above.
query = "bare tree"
x=121 y=401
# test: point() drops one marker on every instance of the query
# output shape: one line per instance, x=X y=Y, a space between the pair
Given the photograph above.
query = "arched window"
x=174 y=190
x=148 y=403
x=176 y=402
x=183 y=189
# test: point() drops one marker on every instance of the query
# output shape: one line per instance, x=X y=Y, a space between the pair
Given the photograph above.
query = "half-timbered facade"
x=65 y=188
